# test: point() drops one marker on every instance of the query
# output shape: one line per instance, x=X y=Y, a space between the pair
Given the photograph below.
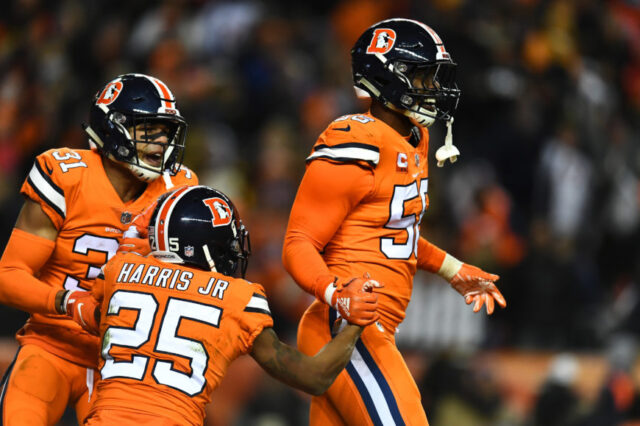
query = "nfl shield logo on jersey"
x=188 y=251
x=125 y=218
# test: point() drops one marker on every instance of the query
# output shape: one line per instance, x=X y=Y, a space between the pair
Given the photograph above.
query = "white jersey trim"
x=259 y=303
x=346 y=154
x=47 y=191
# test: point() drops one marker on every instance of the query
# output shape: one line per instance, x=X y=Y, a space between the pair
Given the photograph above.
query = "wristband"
x=450 y=267
x=63 y=302
x=329 y=291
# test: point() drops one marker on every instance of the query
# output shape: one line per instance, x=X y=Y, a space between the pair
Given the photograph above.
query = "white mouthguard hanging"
x=447 y=151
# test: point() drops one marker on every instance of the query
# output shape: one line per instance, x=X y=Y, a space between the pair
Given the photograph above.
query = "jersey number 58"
x=409 y=223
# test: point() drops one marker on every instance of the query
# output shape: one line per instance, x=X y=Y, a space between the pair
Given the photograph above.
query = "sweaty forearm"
x=288 y=365
x=335 y=355
x=315 y=374
x=310 y=374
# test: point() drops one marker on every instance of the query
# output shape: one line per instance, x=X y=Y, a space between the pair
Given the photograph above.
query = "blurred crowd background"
x=546 y=192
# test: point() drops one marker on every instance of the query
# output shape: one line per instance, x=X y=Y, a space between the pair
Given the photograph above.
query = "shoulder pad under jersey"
x=349 y=139
x=53 y=178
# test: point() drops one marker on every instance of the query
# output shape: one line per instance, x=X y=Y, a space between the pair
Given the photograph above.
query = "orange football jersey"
x=169 y=332
x=380 y=235
x=73 y=190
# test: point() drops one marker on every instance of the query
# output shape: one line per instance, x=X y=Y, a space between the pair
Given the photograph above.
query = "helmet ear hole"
x=401 y=67
x=123 y=152
x=406 y=100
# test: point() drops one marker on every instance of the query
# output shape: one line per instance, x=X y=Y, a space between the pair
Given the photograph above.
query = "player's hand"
x=83 y=308
x=355 y=300
x=478 y=286
x=136 y=238
x=134 y=242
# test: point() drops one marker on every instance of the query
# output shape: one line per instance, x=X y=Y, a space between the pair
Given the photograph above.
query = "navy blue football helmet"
x=120 y=115
x=403 y=63
x=200 y=226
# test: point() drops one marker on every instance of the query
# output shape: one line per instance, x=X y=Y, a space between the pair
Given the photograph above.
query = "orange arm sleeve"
x=327 y=193
x=430 y=257
x=22 y=259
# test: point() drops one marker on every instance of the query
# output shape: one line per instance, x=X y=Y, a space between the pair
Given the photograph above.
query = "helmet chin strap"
x=207 y=255
x=419 y=119
x=142 y=173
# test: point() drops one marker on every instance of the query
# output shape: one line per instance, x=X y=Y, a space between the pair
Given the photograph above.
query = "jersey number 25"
x=166 y=342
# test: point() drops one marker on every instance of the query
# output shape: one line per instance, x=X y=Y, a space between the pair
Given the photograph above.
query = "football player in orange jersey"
x=78 y=203
x=173 y=321
x=358 y=210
